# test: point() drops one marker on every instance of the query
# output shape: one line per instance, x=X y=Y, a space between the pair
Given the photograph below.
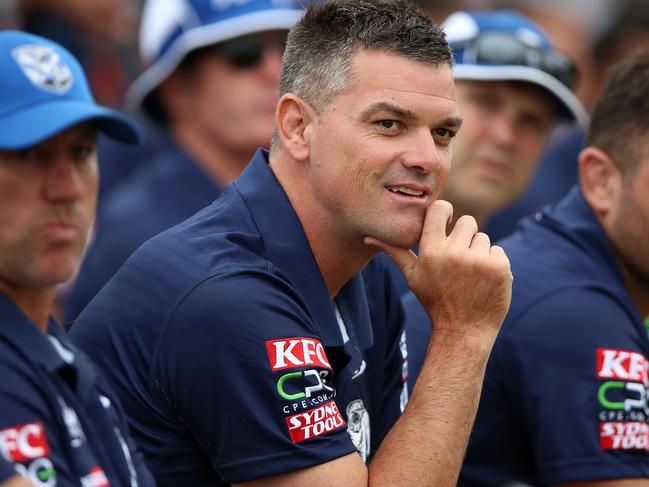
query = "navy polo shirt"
x=565 y=392
x=7 y=469
x=168 y=189
x=230 y=359
x=60 y=424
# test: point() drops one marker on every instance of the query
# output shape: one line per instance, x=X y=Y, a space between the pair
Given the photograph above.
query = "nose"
x=503 y=130
x=271 y=64
x=63 y=181
x=424 y=156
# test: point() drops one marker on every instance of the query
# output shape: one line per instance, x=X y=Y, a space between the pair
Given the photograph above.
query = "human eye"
x=389 y=126
x=82 y=151
x=443 y=135
x=28 y=154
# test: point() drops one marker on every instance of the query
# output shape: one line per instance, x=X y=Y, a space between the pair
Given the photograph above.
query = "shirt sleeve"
x=7 y=469
x=241 y=365
x=574 y=369
x=29 y=436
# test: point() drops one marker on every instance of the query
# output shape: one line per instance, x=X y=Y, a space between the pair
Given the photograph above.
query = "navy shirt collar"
x=575 y=220
x=287 y=247
x=17 y=329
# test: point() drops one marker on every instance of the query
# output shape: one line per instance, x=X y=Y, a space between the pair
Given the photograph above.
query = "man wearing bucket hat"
x=512 y=87
x=211 y=85
x=59 y=421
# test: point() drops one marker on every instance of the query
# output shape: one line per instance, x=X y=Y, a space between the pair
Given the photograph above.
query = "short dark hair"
x=621 y=115
x=317 y=64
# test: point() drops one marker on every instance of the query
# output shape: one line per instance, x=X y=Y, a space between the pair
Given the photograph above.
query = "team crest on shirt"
x=26 y=446
x=44 y=67
x=358 y=421
x=622 y=396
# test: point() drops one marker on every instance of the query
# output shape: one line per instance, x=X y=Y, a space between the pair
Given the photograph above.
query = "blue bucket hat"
x=170 y=29
x=504 y=45
x=45 y=91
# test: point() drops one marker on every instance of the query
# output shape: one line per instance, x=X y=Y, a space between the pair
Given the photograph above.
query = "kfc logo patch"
x=622 y=365
x=290 y=353
x=623 y=435
x=316 y=422
x=23 y=443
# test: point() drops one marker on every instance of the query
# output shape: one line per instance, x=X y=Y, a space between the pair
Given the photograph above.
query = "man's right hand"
x=462 y=281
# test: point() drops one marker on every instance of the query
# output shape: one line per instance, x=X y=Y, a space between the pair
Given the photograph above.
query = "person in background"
x=512 y=88
x=259 y=342
x=60 y=423
x=212 y=83
x=566 y=386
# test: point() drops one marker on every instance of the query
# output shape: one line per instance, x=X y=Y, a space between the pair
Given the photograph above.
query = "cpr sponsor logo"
x=291 y=353
x=306 y=383
x=624 y=436
x=617 y=395
x=316 y=422
x=40 y=472
x=622 y=365
x=96 y=478
x=24 y=442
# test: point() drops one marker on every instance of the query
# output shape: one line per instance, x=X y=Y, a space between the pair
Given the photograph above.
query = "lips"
x=405 y=190
x=61 y=231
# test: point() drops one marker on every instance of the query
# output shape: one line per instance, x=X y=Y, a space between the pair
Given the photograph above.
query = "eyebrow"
x=385 y=107
x=453 y=122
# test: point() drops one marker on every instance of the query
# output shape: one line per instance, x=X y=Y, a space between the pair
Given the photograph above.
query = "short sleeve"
x=241 y=365
x=7 y=469
x=574 y=369
x=29 y=437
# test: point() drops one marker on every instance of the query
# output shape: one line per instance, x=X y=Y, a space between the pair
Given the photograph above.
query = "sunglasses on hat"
x=502 y=48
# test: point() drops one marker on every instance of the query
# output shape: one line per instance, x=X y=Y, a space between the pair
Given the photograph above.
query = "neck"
x=220 y=162
x=638 y=288
x=338 y=256
x=36 y=303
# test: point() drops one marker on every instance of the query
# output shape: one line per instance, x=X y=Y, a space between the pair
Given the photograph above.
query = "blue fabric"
x=548 y=407
x=170 y=188
x=57 y=418
x=7 y=469
x=188 y=331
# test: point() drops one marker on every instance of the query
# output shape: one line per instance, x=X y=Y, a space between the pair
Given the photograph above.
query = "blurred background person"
x=60 y=422
x=512 y=87
x=594 y=34
x=211 y=84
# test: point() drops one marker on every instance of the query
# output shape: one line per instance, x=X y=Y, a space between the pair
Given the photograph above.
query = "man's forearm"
x=440 y=415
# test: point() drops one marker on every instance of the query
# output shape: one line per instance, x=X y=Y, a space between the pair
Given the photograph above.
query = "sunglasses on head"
x=501 y=48
x=248 y=51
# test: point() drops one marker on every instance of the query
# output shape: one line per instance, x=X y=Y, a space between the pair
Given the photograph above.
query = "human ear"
x=294 y=118
x=600 y=179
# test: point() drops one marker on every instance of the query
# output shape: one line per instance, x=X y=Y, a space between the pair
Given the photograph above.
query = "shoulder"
x=568 y=324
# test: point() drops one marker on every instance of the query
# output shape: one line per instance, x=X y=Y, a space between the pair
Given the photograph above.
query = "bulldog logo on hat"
x=44 y=67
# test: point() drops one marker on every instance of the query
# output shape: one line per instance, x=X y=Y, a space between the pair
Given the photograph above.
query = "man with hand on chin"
x=274 y=294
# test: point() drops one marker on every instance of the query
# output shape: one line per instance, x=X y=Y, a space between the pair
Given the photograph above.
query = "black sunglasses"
x=247 y=51
x=501 y=48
